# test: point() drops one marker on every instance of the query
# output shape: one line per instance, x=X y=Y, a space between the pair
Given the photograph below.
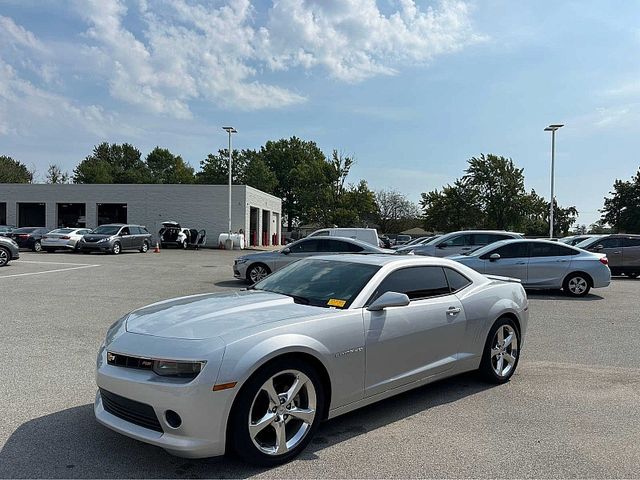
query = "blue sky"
x=410 y=89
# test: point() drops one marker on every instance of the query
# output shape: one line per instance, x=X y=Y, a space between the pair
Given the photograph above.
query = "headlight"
x=115 y=330
x=169 y=368
x=240 y=260
x=104 y=240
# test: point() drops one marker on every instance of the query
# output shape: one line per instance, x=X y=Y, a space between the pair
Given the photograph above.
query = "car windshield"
x=25 y=230
x=321 y=283
x=107 y=230
x=589 y=241
x=62 y=230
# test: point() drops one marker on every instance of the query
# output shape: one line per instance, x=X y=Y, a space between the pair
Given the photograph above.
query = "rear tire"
x=632 y=275
x=37 y=246
x=5 y=256
x=501 y=352
x=145 y=247
x=284 y=431
x=576 y=285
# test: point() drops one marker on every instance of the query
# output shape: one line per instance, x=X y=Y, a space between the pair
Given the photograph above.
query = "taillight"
x=65 y=238
x=604 y=260
x=23 y=235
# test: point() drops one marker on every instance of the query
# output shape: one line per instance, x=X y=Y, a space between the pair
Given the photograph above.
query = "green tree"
x=56 y=175
x=112 y=164
x=14 y=171
x=499 y=188
x=622 y=209
x=395 y=212
x=165 y=167
x=258 y=175
x=455 y=207
x=214 y=170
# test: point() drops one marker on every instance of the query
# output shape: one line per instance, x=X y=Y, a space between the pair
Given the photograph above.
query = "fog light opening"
x=173 y=419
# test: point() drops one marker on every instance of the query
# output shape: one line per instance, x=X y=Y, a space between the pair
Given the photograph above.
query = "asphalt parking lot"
x=571 y=410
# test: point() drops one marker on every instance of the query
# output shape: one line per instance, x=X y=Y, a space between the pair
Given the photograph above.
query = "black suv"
x=116 y=237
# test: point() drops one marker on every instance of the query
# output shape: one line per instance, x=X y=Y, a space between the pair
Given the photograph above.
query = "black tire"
x=184 y=245
x=576 y=284
x=37 y=246
x=253 y=272
x=238 y=436
x=632 y=274
x=5 y=256
x=487 y=368
x=116 y=248
x=145 y=247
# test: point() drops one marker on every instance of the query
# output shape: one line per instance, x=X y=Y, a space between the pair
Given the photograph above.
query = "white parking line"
x=51 y=263
x=48 y=271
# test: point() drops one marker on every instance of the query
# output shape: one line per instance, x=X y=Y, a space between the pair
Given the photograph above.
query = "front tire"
x=501 y=351
x=257 y=272
x=116 y=249
x=5 y=256
x=276 y=413
x=37 y=246
x=576 y=285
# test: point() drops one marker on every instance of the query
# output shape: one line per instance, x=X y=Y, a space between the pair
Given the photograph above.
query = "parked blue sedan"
x=542 y=264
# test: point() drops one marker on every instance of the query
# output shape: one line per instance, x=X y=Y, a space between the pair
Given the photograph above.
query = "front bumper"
x=240 y=270
x=95 y=246
x=204 y=412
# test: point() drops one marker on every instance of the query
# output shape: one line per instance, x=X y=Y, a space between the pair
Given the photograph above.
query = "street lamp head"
x=230 y=129
x=553 y=127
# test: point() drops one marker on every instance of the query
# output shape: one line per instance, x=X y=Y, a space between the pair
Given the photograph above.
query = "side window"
x=415 y=282
x=306 y=246
x=631 y=242
x=496 y=237
x=459 y=241
x=609 y=242
x=550 y=250
x=339 y=246
x=144 y=231
x=125 y=231
x=456 y=280
x=482 y=239
x=134 y=230
x=512 y=250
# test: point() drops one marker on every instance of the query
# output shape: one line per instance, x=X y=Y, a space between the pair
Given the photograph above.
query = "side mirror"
x=389 y=299
x=494 y=256
x=286 y=251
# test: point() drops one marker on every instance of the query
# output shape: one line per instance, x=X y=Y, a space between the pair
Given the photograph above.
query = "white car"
x=368 y=235
x=63 y=239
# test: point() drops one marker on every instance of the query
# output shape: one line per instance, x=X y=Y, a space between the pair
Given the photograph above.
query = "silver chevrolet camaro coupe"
x=254 y=372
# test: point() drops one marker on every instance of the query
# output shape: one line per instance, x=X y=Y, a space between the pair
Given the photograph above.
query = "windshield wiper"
x=299 y=299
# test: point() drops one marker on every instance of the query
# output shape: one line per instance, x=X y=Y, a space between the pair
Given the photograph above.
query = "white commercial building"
x=255 y=213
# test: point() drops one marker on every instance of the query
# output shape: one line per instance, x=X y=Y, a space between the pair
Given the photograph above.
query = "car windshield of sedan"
x=106 y=230
x=321 y=283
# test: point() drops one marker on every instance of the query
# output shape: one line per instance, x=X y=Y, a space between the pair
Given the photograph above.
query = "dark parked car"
x=116 y=237
x=8 y=251
x=29 y=237
x=622 y=250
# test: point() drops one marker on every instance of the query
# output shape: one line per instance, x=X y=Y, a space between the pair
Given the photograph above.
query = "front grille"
x=135 y=412
x=130 y=362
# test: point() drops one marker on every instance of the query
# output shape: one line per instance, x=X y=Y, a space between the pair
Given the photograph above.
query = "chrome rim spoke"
x=268 y=387
x=281 y=438
x=305 y=414
x=504 y=353
x=264 y=422
x=299 y=382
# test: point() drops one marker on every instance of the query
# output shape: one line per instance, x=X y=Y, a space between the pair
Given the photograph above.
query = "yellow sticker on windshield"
x=334 y=302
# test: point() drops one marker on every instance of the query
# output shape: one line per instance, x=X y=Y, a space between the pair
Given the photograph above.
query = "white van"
x=369 y=235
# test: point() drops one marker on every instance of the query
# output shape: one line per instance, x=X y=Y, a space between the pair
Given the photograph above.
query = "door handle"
x=561 y=260
x=453 y=311
x=521 y=263
x=617 y=252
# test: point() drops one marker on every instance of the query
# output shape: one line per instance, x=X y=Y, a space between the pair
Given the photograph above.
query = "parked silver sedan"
x=465 y=241
x=542 y=264
x=255 y=372
x=255 y=266
x=63 y=239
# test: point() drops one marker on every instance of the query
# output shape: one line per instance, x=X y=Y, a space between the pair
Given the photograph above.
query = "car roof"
x=385 y=259
x=355 y=241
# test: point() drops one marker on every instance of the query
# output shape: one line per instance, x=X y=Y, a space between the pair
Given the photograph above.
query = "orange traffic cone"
x=157 y=249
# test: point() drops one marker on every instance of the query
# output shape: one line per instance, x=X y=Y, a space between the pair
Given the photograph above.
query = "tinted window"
x=459 y=241
x=612 y=242
x=323 y=283
x=24 y=230
x=631 y=242
x=512 y=250
x=125 y=231
x=305 y=246
x=329 y=245
x=106 y=230
x=416 y=282
x=134 y=230
x=144 y=231
x=456 y=280
x=62 y=230
x=550 y=250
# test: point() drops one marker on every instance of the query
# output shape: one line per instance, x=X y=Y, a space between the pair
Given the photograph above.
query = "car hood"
x=216 y=314
x=263 y=256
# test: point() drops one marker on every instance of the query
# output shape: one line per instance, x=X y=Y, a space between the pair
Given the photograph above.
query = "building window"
x=112 y=213
x=72 y=215
x=32 y=214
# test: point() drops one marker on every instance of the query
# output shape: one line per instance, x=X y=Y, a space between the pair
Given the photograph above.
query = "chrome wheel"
x=37 y=247
x=504 y=350
x=145 y=247
x=577 y=285
x=116 y=248
x=257 y=273
x=4 y=257
x=282 y=412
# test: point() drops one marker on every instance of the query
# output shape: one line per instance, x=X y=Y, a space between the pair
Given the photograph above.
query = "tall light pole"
x=230 y=130
x=552 y=129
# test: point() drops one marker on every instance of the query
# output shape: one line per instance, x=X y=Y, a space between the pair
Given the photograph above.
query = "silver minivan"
x=456 y=243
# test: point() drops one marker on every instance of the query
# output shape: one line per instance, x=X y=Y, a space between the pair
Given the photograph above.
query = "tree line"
x=316 y=189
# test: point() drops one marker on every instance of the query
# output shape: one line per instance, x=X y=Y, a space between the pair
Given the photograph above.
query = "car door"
x=455 y=245
x=513 y=261
x=631 y=254
x=612 y=247
x=304 y=248
x=548 y=264
x=125 y=237
x=406 y=344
